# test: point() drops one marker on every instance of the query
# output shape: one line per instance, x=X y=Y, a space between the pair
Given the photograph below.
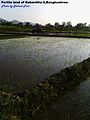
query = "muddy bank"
x=62 y=34
x=11 y=36
x=34 y=104
x=47 y=34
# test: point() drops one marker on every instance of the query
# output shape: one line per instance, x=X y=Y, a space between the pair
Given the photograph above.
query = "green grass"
x=5 y=29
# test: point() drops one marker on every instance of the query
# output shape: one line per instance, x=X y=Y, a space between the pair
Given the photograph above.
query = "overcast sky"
x=76 y=11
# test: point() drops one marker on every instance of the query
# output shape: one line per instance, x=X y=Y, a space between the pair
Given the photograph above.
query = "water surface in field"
x=33 y=59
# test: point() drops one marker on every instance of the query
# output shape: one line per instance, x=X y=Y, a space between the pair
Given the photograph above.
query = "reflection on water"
x=74 y=105
x=35 y=58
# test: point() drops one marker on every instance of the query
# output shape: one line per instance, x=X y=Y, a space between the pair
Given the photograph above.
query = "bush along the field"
x=34 y=104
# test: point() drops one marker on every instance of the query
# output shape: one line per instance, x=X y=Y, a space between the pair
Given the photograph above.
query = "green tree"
x=27 y=24
x=69 y=26
x=49 y=26
x=56 y=24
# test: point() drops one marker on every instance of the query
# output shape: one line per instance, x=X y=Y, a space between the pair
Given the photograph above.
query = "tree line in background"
x=38 y=28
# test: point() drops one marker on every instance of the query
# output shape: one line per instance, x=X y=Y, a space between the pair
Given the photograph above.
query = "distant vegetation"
x=10 y=27
x=21 y=29
x=6 y=26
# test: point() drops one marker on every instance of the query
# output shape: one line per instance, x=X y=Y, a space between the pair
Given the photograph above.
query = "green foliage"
x=81 y=29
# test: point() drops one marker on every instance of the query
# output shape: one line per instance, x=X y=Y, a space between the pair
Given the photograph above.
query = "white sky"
x=76 y=11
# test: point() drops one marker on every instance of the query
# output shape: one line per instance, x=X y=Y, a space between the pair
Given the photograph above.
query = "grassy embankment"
x=13 y=31
x=34 y=104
